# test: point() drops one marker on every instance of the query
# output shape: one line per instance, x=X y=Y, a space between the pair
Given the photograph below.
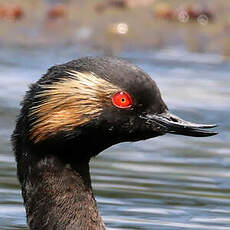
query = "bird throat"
x=59 y=195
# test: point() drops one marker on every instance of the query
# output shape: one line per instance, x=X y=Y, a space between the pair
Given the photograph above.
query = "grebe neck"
x=58 y=195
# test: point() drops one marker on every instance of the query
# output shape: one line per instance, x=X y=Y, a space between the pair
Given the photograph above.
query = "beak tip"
x=212 y=126
x=210 y=134
x=175 y=125
x=214 y=133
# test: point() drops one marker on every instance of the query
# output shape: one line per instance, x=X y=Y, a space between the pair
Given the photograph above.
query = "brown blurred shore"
x=117 y=25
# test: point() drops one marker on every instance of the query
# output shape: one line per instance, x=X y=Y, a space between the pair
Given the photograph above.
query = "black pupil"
x=122 y=99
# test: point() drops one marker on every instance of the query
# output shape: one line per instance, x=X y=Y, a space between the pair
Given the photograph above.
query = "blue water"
x=166 y=183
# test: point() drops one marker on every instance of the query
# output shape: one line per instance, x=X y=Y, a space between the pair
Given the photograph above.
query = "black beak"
x=170 y=123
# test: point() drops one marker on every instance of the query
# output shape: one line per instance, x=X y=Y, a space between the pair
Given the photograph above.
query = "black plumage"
x=59 y=129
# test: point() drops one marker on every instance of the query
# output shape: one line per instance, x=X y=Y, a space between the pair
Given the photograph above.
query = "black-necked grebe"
x=72 y=113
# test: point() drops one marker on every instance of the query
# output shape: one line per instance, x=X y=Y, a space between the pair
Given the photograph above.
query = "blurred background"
x=166 y=183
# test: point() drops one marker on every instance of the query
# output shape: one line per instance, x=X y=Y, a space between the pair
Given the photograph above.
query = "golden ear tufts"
x=74 y=100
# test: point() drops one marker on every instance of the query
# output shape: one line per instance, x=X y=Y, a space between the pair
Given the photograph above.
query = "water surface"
x=165 y=183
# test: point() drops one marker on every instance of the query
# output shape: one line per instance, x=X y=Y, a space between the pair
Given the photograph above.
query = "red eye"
x=122 y=100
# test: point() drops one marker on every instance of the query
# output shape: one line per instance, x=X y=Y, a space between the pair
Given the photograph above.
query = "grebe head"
x=93 y=103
